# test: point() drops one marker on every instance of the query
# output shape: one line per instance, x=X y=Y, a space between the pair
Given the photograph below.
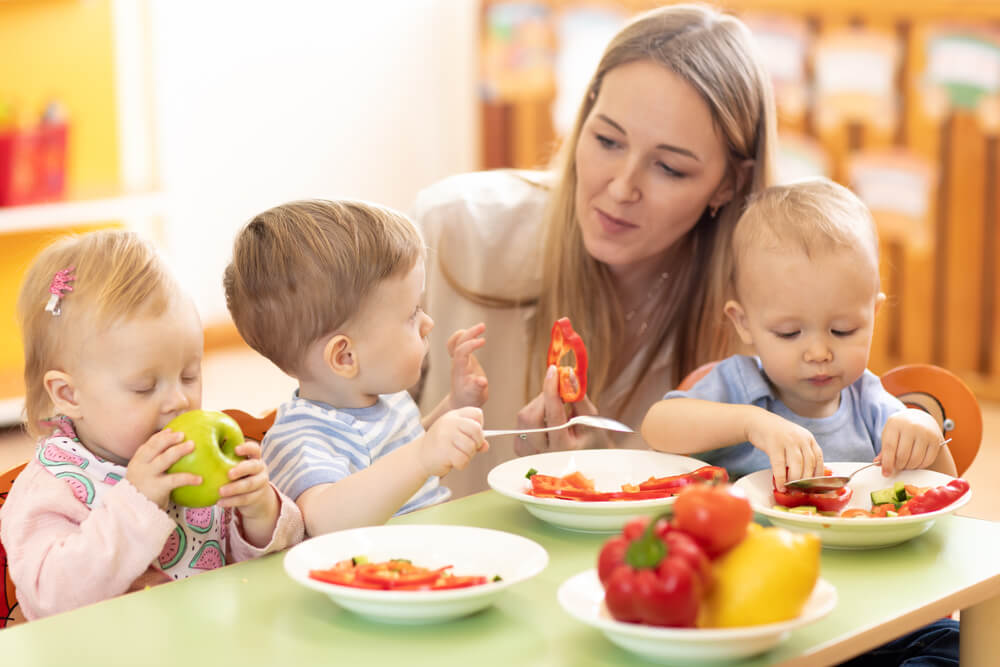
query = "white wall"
x=256 y=103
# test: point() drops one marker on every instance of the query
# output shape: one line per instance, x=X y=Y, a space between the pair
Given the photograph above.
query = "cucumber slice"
x=899 y=491
x=883 y=496
x=803 y=509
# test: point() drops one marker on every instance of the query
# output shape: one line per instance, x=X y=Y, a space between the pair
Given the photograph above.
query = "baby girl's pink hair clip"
x=58 y=288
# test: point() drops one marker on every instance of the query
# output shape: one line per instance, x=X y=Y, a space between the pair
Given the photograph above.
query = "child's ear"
x=339 y=356
x=62 y=393
x=734 y=311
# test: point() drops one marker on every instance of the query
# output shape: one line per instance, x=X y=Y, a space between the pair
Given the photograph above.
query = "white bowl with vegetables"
x=858 y=532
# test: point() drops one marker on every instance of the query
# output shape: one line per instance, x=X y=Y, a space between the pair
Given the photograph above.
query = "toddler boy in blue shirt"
x=807 y=289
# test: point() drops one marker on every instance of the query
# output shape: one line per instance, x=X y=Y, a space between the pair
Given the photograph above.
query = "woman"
x=628 y=236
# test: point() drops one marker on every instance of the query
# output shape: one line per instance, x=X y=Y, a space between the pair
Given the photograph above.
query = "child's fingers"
x=246 y=468
x=157 y=444
x=178 y=479
x=170 y=456
x=778 y=470
x=464 y=335
x=249 y=449
x=244 y=486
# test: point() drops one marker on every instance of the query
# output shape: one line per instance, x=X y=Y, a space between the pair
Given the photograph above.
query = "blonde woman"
x=628 y=235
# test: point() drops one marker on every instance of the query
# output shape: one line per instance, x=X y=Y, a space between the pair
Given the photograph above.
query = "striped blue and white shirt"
x=314 y=443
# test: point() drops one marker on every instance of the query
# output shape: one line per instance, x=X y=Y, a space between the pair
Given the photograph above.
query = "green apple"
x=216 y=436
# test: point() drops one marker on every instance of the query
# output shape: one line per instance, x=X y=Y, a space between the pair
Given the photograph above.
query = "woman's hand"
x=250 y=492
x=469 y=386
x=147 y=470
x=547 y=409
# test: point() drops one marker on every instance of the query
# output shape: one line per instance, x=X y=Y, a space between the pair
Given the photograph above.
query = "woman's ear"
x=735 y=180
x=62 y=392
x=734 y=311
x=339 y=356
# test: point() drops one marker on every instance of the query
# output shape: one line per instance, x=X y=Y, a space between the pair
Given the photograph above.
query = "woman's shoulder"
x=484 y=197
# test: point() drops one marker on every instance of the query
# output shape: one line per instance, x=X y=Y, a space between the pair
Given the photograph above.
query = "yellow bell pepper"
x=766 y=578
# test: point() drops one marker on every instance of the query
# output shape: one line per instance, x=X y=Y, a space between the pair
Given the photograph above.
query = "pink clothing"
x=63 y=554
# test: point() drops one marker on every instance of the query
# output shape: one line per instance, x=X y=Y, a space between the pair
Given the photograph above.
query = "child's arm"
x=910 y=440
x=469 y=385
x=690 y=426
x=63 y=555
x=252 y=495
x=371 y=496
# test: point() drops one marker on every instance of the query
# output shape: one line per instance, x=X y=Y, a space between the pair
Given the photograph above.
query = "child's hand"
x=250 y=492
x=147 y=471
x=469 y=385
x=910 y=440
x=453 y=440
x=792 y=449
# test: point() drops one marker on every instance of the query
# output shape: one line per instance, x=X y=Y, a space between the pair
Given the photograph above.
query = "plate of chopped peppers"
x=414 y=574
x=871 y=512
x=598 y=490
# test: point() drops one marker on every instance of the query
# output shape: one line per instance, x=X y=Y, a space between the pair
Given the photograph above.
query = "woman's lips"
x=613 y=225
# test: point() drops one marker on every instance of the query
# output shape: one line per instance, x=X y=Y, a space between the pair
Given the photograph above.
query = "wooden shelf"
x=36 y=217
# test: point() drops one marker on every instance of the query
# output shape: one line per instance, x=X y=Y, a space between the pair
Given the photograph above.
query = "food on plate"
x=216 y=436
x=396 y=574
x=668 y=573
x=901 y=499
x=567 y=352
x=577 y=486
x=766 y=578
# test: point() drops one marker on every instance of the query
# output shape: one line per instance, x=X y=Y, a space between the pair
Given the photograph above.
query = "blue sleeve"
x=877 y=405
x=725 y=383
x=298 y=457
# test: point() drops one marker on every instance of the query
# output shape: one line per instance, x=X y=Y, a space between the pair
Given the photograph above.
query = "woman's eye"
x=670 y=171
x=606 y=142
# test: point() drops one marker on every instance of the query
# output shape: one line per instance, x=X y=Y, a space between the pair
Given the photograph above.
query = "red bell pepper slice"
x=830 y=501
x=567 y=352
x=935 y=499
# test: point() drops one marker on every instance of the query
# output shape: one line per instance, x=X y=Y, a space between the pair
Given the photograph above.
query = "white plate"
x=583 y=598
x=609 y=468
x=856 y=533
x=471 y=551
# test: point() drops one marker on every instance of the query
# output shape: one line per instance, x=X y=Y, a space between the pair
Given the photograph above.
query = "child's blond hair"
x=116 y=274
x=815 y=215
x=301 y=270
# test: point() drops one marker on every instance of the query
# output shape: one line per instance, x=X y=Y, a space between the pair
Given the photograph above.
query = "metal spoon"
x=584 y=420
x=831 y=483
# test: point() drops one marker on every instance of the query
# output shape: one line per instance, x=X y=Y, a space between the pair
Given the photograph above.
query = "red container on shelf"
x=33 y=164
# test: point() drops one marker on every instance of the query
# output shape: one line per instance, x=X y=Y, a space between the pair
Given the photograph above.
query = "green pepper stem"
x=648 y=550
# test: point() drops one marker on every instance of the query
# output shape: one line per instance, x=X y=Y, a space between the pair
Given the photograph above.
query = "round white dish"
x=860 y=532
x=471 y=551
x=609 y=468
x=583 y=598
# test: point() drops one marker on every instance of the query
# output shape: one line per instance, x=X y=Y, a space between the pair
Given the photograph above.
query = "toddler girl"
x=113 y=352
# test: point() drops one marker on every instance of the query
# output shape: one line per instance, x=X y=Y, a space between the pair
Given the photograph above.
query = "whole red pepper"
x=934 y=499
x=567 y=352
x=656 y=576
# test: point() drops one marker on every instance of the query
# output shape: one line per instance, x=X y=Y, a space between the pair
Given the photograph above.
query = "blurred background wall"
x=181 y=119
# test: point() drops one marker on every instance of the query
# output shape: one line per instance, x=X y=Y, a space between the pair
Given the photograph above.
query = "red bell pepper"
x=656 y=577
x=828 y=501
x=935 y=499
x=567 y=352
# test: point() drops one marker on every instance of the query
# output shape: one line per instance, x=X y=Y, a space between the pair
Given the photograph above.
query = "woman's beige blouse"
x=484 y=226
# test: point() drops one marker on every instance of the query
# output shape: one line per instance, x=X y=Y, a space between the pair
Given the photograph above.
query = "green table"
x=253 y=614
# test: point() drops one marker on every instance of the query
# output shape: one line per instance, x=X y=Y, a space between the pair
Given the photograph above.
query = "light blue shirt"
x=852 y=433
x=314 y=443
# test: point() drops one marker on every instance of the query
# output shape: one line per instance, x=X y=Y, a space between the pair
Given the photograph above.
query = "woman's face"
x=648 y=162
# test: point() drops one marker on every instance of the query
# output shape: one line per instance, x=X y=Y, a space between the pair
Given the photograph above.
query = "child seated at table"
x=807 y=289
x=113 y=350
x=330 y=291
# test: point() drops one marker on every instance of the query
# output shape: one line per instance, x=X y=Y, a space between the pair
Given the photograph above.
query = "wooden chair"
x=253 y=427
x=9 y=612
x=927 y=387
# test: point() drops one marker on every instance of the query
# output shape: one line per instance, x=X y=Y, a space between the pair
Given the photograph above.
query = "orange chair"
x=926 y=387
x=945 y=397
x=8 y=598
x=253 y=427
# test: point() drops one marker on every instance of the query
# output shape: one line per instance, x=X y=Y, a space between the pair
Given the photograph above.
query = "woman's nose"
x=624 y=184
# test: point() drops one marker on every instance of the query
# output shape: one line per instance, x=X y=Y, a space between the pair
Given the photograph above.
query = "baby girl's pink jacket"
x=63 y=555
